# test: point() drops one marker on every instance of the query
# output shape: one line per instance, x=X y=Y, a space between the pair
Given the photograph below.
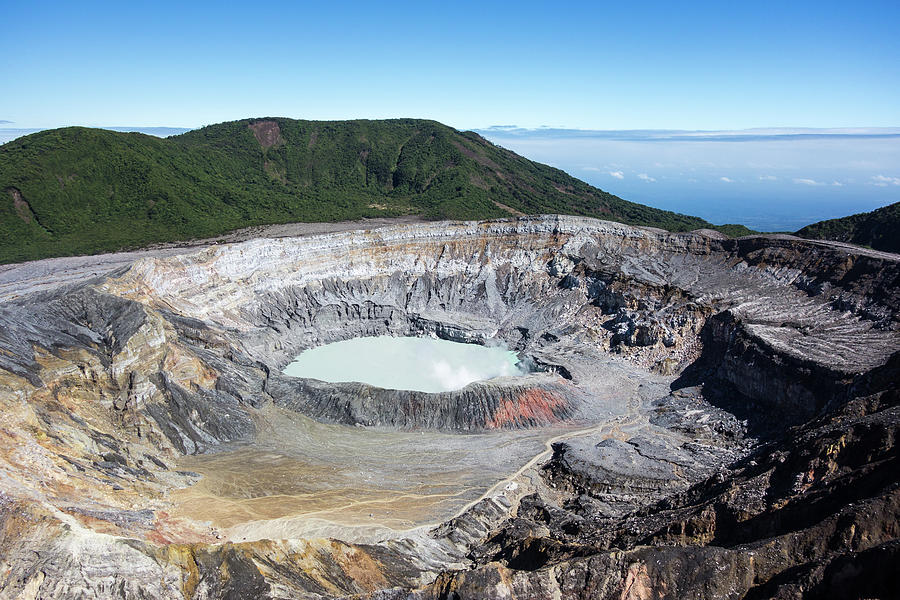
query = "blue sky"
x=592 y=66
x=589 y=65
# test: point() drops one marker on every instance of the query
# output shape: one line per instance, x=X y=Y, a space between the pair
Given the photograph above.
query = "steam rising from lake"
x=423 y=364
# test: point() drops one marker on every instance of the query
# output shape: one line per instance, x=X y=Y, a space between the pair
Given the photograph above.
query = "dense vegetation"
x=879 y=229
x=77 y=190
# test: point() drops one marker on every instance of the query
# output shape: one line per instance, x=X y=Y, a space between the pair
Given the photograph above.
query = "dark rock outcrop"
x=532 y=401
x=813 y=514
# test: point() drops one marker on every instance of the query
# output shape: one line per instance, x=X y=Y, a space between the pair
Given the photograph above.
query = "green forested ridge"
x=78 y=190
x=879 y=229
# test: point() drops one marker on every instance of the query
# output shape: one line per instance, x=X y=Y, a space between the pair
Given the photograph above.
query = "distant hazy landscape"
x=768 y=180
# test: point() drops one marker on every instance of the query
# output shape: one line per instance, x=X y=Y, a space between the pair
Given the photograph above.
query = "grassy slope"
x=79 y=191
x=879 y=229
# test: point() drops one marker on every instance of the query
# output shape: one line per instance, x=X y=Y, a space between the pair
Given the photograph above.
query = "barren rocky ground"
x=713 y=418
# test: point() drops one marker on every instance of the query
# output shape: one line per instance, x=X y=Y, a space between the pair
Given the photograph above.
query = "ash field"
x=707 y=417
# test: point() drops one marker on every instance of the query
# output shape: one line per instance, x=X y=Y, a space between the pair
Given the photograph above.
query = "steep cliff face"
x=535 y=400
x=811 y=515
x=664 y=357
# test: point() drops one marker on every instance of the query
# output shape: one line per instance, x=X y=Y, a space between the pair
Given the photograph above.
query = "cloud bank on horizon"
x=649 y=135
x=771 y=179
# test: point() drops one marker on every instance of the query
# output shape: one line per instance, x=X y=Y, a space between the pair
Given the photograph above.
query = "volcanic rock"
x=721 y=414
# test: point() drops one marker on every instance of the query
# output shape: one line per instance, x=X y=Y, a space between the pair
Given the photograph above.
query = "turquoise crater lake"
x=405 y=363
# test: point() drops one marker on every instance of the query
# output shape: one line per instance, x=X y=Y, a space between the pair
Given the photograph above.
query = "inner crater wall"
x=789 y=313
x=185 y=348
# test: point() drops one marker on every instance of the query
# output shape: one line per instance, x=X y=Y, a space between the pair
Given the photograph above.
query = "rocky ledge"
x=514 y=402
x=722 y=413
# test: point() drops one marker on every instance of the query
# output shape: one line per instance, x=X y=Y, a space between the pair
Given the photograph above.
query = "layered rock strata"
x=515 y=402
x=668 y=356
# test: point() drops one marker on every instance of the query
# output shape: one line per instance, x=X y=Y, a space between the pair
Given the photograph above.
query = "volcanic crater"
x=695 y=394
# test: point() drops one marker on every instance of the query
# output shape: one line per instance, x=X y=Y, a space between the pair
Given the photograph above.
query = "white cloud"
x=837 y=184
x=767 y=178
x=884 y=180
x=617 y=174
x=804 y=181
x=645 y=177
x=726 y=179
